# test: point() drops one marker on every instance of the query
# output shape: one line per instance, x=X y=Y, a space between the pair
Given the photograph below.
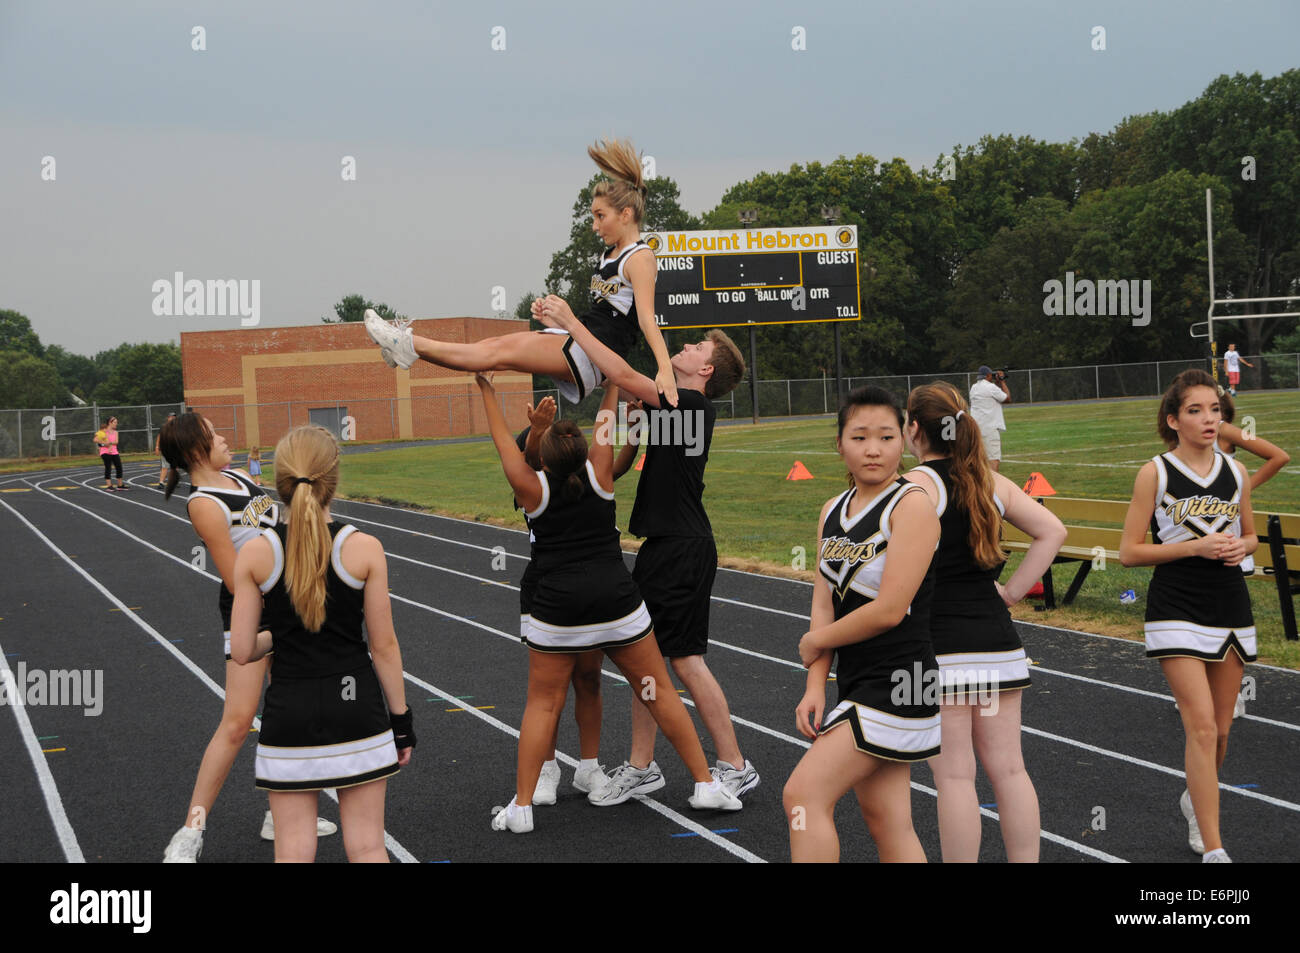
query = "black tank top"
x=565 y=531
x=339 y=645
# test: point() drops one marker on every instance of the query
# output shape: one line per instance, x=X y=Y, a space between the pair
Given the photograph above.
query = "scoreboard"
x=710 y=279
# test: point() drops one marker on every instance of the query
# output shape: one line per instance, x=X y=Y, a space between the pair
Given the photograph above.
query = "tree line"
x=36 y=375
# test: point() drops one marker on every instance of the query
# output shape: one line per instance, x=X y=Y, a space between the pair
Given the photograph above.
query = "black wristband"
x=403 y=730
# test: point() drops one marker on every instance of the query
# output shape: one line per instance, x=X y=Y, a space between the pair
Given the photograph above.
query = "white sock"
x=586 y=764
x=551 y=764
x=1210 y=853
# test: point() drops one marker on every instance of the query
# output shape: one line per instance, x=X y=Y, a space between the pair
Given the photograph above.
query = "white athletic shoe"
x=1216 y=856
x=713 y=796
x=513 y=818
x=1194 y=840
x=628 y=781
x=394 y=339
x=324 y=828
x=738 y=781
x=1239 y=708
x=547 y=782
x=591 y=780
x=185 y=847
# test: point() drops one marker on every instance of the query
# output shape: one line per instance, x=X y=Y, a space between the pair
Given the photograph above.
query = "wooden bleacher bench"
x=1086 y=543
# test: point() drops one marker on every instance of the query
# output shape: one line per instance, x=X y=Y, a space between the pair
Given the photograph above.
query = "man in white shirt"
x=1232 y=362
x=987 y=395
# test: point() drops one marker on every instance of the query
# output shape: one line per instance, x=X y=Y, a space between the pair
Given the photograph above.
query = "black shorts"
x=675 y=576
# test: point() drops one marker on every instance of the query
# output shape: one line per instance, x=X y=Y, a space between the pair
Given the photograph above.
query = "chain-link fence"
x=68 y=431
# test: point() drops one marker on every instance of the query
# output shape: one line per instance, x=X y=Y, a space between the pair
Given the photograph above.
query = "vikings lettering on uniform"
x=1201 y=506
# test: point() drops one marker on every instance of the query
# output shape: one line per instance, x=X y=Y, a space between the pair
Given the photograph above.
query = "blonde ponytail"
x=626 y=186
x=306 y=477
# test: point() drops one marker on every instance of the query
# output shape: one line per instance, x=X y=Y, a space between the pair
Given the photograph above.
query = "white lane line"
x=49 y=790
x=1108 y=753
x=398 y=851
x=708 y=835
x=734 y=849
x=801 y=616
x=667 y=812
x=1276 y=802
x=1047 y=835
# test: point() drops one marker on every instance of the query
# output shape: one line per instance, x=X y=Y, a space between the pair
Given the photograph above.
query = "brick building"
x=256 y=383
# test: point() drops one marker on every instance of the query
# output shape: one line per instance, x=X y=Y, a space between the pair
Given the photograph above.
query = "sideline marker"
x=1038 y=485
x=639 y=464
x=798 y=472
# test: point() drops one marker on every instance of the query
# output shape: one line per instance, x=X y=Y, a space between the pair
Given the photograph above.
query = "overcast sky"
x=226 y=162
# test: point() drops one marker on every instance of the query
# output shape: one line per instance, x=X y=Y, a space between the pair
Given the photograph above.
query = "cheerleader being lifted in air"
x=622 y=291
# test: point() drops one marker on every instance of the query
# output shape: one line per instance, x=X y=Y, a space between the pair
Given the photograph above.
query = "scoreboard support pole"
x=753 y=370
x=839 y=368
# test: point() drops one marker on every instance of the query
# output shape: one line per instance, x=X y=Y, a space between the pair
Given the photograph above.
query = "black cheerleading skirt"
x=1199 y=608
x=327 y=732
x=891 y=702
x=583 y=605
x=978 y=649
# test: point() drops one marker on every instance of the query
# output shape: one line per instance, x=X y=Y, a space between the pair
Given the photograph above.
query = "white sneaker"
x=1216 y=856
x=627 y=781
x=1239 y=708
x=739 y=781
x=324 y=828
x=513 y=818
x=547 y=782
x=1194 y=840
x=394 y=339
x=591 y=780
x=713 y=796
x=185 y=847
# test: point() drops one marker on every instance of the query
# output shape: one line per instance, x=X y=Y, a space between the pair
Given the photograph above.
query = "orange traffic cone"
x=1038 y=485
x=798 y=472
x=639 y=464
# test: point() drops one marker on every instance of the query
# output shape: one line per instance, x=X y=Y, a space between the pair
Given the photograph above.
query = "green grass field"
x=761 y=519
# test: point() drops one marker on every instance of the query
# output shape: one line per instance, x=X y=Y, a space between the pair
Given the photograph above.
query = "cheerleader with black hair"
x=582 y=598
x=1196 y=503
x=981 y=659
x=870 y=612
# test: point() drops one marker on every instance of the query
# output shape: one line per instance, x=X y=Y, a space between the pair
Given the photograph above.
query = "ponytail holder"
x=303 y=480
x=960 y=415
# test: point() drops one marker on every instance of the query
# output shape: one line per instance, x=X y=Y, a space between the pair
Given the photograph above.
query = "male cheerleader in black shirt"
x=676 y=564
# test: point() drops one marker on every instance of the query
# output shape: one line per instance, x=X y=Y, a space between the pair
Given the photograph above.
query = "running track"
x=105 y=581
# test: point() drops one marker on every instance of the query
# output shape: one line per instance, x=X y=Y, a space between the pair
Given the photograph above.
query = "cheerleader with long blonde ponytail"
x=622 y=300
x=333 y=718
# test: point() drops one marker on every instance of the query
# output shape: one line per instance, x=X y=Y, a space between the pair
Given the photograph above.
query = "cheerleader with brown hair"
x=981 y=661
